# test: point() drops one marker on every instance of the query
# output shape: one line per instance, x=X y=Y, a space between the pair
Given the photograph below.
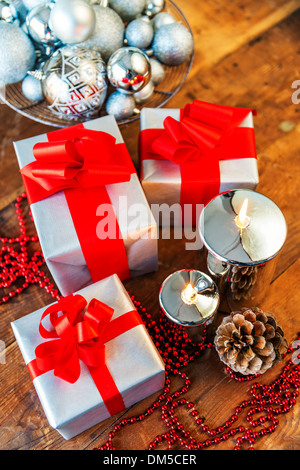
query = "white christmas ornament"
x=120 y=105
x=108 y=35
x=32 y=88
x=161 y=19
x=173 y=44
x=153 y=7
x=17 y=54
x=72 y=21
x=128 y=9
x=139 y=33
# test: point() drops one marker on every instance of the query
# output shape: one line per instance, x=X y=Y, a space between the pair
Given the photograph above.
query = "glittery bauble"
x=32 y=88
x=108 y=35
x=74 y=82
x=173 y=44
x=129 y=69
x=72 y=21
x=37 y=22
x=161 y=19
x=153 y=7
x=120 y=105
x=128 y=9
x=139 y=33
x=17 y=54
x=157 y=71
x=145 y=94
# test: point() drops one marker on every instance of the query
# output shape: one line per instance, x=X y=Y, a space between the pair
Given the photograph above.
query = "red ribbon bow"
x=73 y=337
x=85 y=160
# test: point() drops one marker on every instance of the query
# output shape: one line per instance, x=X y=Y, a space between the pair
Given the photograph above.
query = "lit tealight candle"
x=242 y=220
x=189 y=297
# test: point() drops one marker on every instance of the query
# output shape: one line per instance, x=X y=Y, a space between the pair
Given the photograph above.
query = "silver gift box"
x=161 y=179
x=57 y=235
x=132 y=359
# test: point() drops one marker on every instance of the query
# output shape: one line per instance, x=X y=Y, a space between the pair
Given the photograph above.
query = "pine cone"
x=250 y=341
x=242 y=281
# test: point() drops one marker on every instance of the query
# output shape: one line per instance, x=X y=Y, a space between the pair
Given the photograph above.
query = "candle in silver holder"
x=189 y=298
x=243 y=232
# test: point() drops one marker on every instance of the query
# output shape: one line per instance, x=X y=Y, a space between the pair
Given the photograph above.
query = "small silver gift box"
x=59 y=241
x=132 y=359
x=161 y=179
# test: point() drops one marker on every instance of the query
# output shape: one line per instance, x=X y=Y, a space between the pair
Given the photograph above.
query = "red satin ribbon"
x=74 y=337
x=205 y=134
x=81 y=162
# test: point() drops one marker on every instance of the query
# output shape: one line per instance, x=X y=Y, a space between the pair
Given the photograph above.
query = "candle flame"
x=189 y=294
x=242 y=220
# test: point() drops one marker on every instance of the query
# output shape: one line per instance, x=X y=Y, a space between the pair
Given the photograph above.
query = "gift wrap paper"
x=161 y=179
x=57 y=235
x=132 y=359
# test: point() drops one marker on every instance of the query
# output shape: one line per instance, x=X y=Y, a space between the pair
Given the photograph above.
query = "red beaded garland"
x=177 y=351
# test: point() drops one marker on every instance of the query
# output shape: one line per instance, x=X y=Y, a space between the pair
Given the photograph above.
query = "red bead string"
x=266 y=402
x=17 y=266
x=265 y=405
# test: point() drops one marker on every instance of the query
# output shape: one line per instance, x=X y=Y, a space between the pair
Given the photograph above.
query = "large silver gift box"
x=57 y=235
x=161 y=179
x=132 y=359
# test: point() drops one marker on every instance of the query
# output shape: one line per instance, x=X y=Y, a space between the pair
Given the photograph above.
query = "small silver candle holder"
x=243 y=232
x=189 y=298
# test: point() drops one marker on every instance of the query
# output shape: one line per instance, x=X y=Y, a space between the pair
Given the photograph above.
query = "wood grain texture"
x=246 y=54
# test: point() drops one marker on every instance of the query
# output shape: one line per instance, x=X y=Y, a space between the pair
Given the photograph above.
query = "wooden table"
x=247 y=54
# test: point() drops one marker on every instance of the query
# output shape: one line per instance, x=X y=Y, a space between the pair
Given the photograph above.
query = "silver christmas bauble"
x=173 y=44
x=153 y=7
x=72 y=21
x=145 y=94
x=120 y=105
x=37 y=22
x=157 y=71
x=129 y=69
x=108 y=35
x=73 y=82
x=32 y=88
x=161 y=19
x=17 y=53
x=139 y=33
x=128 y=9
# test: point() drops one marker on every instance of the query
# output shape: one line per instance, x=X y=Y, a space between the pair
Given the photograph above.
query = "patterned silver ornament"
x=120 y=105
x=17 y=53
x=161 y=19
x=157 y=71
x=128 y=9
x=108 y=35
x=37 y=23
x=129 y=69
x=173 y=44
x=153 y=7
x=73 y=82
x=139 y=33
x=145 y=94
x=32 y=88
x=72 y=21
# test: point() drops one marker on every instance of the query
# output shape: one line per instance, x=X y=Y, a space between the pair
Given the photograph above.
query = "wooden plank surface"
x=246 y=54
